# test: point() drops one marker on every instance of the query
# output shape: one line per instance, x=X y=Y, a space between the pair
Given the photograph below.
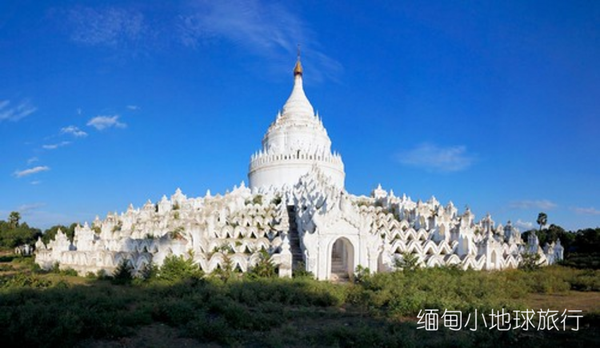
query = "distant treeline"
x=13 y=232
x=582 y=241
x=582 y=248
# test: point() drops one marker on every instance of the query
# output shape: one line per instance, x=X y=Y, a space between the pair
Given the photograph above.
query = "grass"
x=185 y=308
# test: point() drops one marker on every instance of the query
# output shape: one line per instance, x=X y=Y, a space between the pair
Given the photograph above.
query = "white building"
x=297 y=209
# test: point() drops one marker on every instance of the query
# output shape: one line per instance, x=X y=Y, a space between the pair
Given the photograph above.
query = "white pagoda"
x=295 y=208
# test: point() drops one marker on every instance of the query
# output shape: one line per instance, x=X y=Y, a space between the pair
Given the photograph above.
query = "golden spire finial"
x=298 y=67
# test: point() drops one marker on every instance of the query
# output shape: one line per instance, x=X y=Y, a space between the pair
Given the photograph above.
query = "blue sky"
x=494 y=105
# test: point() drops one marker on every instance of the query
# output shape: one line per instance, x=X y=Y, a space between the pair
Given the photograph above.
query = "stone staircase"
x=297 y=256
x=338 y=271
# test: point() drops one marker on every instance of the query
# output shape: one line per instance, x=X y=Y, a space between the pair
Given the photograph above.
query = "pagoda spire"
x=297 y=106
x=298 y=67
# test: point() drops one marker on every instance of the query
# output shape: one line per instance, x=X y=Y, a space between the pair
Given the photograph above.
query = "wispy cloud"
x=26 y=208
x=30 y=171
x=108 y=26
x=55 y=146
x=104 y=122
x=74 y=131
x=542 y=204
x=15 y=113
x=249 y=23
x=35 y=182
x=133 y=107
x=586 y=211
x=523 y=225
x=263 y=28
x=32 y=160
x=435 y=158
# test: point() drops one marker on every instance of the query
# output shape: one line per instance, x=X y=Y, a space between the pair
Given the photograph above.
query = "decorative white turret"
x=293 y=144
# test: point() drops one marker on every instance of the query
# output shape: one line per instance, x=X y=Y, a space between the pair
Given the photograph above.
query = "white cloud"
x=133 y=107
x=17 y=112
x=56 y=146
x=263 y=28
x=586 y=211
x=30 y=171
x=108 y=26
x=523 y=225
x=542 y=204
x=434 y=158
x=104 y=122
x=74 y=131
x=32 y=160
x=35 y=182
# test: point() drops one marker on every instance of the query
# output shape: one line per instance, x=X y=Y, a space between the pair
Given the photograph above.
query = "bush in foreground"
x=47 y=310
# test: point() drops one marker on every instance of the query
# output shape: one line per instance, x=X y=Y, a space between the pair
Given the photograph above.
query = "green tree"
x=122 y=274
x=50 y=233
x=70 y=232
x=408 y=262
x=542 y=220
x=588 y=240
x=14 y=218
x=552 y=234
x=11 y=237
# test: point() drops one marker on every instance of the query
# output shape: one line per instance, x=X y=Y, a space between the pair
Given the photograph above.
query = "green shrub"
x=101 y=275
x=300 y=272
x=361 y=274
x=6 y=268
x=582 y=260
x=530 y=262
x=177 y=268
x=408 y=262
x=22 y=280
x=586 y=280
x=264 y=267
x=55 y=268
x=122 y=274
x=69 y=272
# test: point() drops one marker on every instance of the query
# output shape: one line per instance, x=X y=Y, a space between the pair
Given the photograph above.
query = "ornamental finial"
x=298 y=67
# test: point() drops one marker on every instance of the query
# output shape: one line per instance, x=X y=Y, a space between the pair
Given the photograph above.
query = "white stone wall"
x=281 y=172
x=376 y=231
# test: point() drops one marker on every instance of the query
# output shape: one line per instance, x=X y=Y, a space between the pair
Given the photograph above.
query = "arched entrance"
x=342 y=259
x=494 y=261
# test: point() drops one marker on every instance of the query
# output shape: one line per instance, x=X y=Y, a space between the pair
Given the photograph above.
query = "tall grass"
x=49 y=310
